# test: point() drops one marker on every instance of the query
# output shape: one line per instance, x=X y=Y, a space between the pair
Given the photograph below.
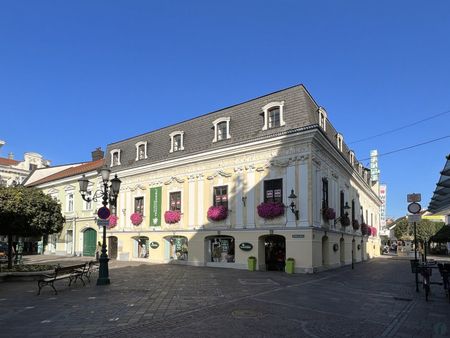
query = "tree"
x=27 y=212
x=424 y=229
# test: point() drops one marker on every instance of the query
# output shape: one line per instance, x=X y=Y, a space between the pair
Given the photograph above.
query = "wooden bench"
x=87 y=270
x=72 y=273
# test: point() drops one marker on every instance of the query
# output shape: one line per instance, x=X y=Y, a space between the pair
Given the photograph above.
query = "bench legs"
x=41 y=284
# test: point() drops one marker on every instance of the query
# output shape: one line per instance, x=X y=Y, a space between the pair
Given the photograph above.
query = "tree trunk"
x=10 y=250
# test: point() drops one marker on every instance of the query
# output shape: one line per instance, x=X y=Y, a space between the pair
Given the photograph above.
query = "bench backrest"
x=63 y=270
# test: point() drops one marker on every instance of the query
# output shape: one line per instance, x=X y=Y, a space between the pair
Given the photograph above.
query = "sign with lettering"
x=155 y=206
x=298 y=236
x=411 y=198
x=154 y=245
x=246 y=246
x=102 y=222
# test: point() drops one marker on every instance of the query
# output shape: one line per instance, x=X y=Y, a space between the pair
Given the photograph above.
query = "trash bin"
x=414 y=265
x=290 y=266
x=251 y=263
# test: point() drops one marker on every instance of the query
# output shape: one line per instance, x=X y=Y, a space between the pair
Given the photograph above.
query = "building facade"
x=262 y=178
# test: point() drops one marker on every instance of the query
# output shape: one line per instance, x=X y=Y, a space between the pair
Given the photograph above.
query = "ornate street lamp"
x=108 y=195
x=292 y=197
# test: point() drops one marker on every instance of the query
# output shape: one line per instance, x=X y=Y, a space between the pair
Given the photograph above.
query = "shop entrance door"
x=275 y=252
x=112 y=247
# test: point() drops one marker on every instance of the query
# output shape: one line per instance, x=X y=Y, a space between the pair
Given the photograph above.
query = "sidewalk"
x=376 y=299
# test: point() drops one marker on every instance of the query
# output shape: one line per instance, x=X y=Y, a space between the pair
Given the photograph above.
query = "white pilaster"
x=250 y=193
x=303 y=194
x=238 y=207
x=290 y=184
x=200 y=202
x=191 y=202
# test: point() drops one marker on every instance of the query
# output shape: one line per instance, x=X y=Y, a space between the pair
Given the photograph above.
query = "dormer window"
x=352 y=157
x=323 y=118
x=273 y=115
x=339 y=141
x=141 y=151
x=115 y=157
x=176 y=141
x=221 y=129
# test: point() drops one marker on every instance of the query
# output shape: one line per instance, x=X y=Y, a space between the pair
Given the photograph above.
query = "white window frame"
x=68 y=201
x=216 y=129
x=267 y=107
x=172 y=135
x=112 y=152
x=352 y=157
x=88 y=205
x=339 y=141
x=323 y=116
x=137 y=150
x=181 y=197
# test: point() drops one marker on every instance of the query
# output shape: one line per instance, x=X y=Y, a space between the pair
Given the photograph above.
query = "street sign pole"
x=415 y=257
x=414 y=208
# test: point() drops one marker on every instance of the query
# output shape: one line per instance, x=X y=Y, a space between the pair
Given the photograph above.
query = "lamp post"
x=108 y=195
x=292 y=197
x=345 y=215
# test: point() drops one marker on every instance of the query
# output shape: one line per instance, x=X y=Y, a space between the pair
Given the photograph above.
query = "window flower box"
x=172 y=216
x=328 y=214
x=136 y=218
x=217 y=213
x=270 y=210
x=112 y=221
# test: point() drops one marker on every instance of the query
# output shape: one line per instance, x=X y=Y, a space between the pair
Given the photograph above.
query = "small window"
x=220 y=196
x=221 y=129
x=339 y=141
x=273 y=115
x=115 y=157
x=341 y=204
x=322 y=118
x=139 y=205
x=141 y=151
x=88 y=205
x=70 y=202
x=32 y=166
x=352 y=157
x=177 y=141
x=273 y=190
x=175 y=201
x=324 y=193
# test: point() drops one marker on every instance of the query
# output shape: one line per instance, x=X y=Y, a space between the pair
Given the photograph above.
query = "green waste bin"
x=251 y=263
x=290 y=265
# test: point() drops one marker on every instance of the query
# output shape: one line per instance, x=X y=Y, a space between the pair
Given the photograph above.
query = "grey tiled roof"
x=246 y=122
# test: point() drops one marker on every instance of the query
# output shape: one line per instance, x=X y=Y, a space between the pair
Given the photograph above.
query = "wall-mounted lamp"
x=344 y=217
x=244 y=200
x=292 y=197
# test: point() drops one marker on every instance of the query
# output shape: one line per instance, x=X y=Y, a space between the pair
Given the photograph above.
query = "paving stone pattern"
x=376 y=299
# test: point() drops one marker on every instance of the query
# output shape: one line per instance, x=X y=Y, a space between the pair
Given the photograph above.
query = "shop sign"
x=155 y=206
x=246 y=246
x=154 y=245
x=298 y=236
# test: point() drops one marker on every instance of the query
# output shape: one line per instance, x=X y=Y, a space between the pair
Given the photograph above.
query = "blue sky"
x=75 y=75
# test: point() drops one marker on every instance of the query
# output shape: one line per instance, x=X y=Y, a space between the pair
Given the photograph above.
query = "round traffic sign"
x=414 y=208
x=103 y=213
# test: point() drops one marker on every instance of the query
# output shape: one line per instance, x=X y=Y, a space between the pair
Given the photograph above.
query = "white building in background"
x=14 y=171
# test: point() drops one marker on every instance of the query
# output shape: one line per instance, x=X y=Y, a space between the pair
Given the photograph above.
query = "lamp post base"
x=103 y=273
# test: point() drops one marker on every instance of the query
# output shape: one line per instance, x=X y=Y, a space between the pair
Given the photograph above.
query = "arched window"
x=115 y=157
x=176 y=141
x=141 y=151
x=322 y=118
x=339 y=141
x=221 y=129
x=273 y=115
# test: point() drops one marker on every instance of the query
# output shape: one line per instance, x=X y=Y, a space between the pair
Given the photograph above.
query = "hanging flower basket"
x=112 y=221
x=270 y=210
x=172 y=216
x=369 y=231
x=373 y=231
x=345 y=221
x=355 y=224
x=364 y=229
x=217 y=213
x=136 y=218
x=329 y=214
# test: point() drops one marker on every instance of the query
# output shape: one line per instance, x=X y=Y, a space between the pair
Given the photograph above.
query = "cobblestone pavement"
x=376 y=299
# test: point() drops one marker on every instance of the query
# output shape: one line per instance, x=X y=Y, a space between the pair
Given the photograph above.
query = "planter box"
x=251 y=262
x=290 y=266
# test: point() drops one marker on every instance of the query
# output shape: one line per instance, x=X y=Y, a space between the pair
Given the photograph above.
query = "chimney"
x=11 y=156
x=2 y=143
x=97 y=154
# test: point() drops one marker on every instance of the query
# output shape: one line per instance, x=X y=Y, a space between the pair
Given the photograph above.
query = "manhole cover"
x=246 y=314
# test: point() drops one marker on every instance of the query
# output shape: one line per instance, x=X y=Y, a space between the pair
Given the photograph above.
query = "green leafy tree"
x=27 y=212
x=424 y=229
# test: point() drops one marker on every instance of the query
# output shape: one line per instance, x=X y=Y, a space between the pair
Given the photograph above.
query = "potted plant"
x=217 y=213
x=251 y=261
x=364 y=229
x=328 y=214
x=355 y=224
x=345 y=221
x=290 y=265
x=113 y=221
x=136 y=218
x=270 y=210
x=172 y=216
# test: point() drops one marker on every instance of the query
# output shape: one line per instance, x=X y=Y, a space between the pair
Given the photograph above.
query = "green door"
x=89 y=242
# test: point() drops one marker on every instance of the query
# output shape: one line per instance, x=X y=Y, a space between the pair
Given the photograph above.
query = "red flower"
x=270 y=210
x=136 y=218
x=113 y=221
x=329 y=213
x=172 y=216
x=217 y=213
